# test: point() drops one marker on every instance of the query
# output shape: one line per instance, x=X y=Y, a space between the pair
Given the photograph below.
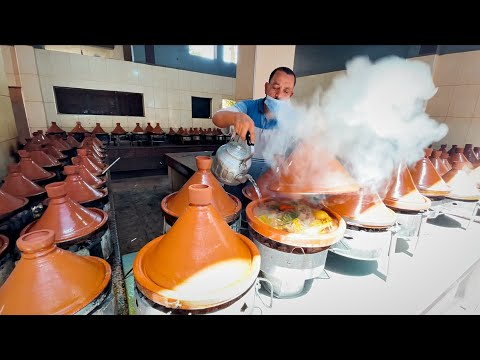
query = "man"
x=258 y=117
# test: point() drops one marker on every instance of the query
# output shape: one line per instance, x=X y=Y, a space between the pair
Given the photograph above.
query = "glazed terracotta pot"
x=72 y=141
x=445 y=161
x=293 y=239
x=438 y=163
x=470 y=154
x=463 y=186
x=149 y=128
x=364 y=208
x=402 y=194
x=70 y=221
x=10 y=204
x=118 y=130
x=312 y=172
x=78 y=129
x=427 y=179
x=78 y=190
x=55 y=129
x=41 y=158
x=201 y=262
x=459 y=157
x=98 y=129
x=15 y=183
x=89 y=165
x=31 y=170
x=87 y=176
x=50 y=281
x=138 y=129
x=227 y=205
x=158 y=130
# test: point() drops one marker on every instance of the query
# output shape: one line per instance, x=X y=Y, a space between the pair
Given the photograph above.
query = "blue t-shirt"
x=254 y=109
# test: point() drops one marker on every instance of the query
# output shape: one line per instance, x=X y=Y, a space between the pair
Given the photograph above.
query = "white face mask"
x=274 y=105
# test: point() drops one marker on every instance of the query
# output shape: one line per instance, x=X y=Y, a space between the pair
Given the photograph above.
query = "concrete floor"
x=137 y=205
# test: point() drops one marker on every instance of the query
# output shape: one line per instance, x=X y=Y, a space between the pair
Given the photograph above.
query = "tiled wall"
x=456 y=102
x=8 y=129
x=167 y=92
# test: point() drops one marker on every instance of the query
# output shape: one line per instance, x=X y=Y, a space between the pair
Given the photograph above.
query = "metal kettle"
x=232 y=161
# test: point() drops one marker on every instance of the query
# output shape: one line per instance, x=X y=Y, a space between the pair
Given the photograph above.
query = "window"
x=98 y=102
x=201 y=107
x=206 y=51
x=227 y=103
x=230 y=53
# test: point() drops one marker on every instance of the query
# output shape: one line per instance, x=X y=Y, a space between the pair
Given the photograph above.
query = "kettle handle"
x=249 y=141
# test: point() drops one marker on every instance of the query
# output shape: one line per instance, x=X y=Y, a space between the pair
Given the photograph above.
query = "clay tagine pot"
x=470 y=154
x=50 y=281
x=463 y=186
x=98 y=129
x=70 y=221
x=437 y=162
x=17 y=184
x=459 y=157
x=227 y=205
x=201 y=262
x=85 y=160
x=54 y=152
x=138 y=129
x=476 y=150
x=427 y=180
x=87 y=176
x=55 y=129
x=118 y=130
x=41 y=158
x=157 y=130
x=39 y=138
x=452 y=150
x=9 y=204
x=77 y=189
x=149 y=129
x=78 y=129
x=445 y=161
x=312 y=170
x=402 y=194
x=72 y=141
x=364 y=208
x=31 y=170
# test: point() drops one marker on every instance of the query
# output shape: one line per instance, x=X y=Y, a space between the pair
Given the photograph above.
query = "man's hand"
x=242 y=124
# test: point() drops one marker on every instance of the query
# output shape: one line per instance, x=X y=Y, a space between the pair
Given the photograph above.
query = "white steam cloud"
x=371 y=118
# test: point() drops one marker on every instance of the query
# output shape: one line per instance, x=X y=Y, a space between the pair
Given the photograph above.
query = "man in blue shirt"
x=259 y=118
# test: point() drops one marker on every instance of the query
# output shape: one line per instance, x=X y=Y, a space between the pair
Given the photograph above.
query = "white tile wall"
x=80 y=67
x=43 y=62
x=31 y=87
x=26 y=60
x=35 y=111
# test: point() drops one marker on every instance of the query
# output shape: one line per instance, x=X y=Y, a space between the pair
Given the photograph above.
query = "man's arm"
x=239 y=120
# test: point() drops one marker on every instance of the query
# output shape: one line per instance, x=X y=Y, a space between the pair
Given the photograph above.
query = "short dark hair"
x=286 y=70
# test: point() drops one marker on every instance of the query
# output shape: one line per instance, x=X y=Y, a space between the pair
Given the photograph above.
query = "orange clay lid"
x=78 y=129
x=119 y=130
x=55 y=129
x=72 y=141
x=402 y=194
x=98 y=129
x=149 y=128
x=227 y=205
x=459 y=157
x=427 y=180
x=438 y=162
x=77 y=189
x=200 y=262
x=30 y=169
x=52 y=150
x=15 y=183
x=86 y=175
x=158 y=129
x=50 y=281
x=67 y=218
x=312 y=172
x=41 y=158
x=363 y=208
x=463 y=186
x=89 y=165
x=138 y=129
x=10 y=203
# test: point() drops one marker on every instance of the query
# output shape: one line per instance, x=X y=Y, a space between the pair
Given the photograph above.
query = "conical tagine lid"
x=50 y=281
x=226 y=204
x=363 y=208
x=201 y=262
x=308 y=171
x=18 y=185
x=402 y=194
x=67 y=218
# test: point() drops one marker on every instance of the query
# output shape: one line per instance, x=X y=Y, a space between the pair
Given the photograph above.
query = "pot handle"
x=257 y=288
x=249 y=140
